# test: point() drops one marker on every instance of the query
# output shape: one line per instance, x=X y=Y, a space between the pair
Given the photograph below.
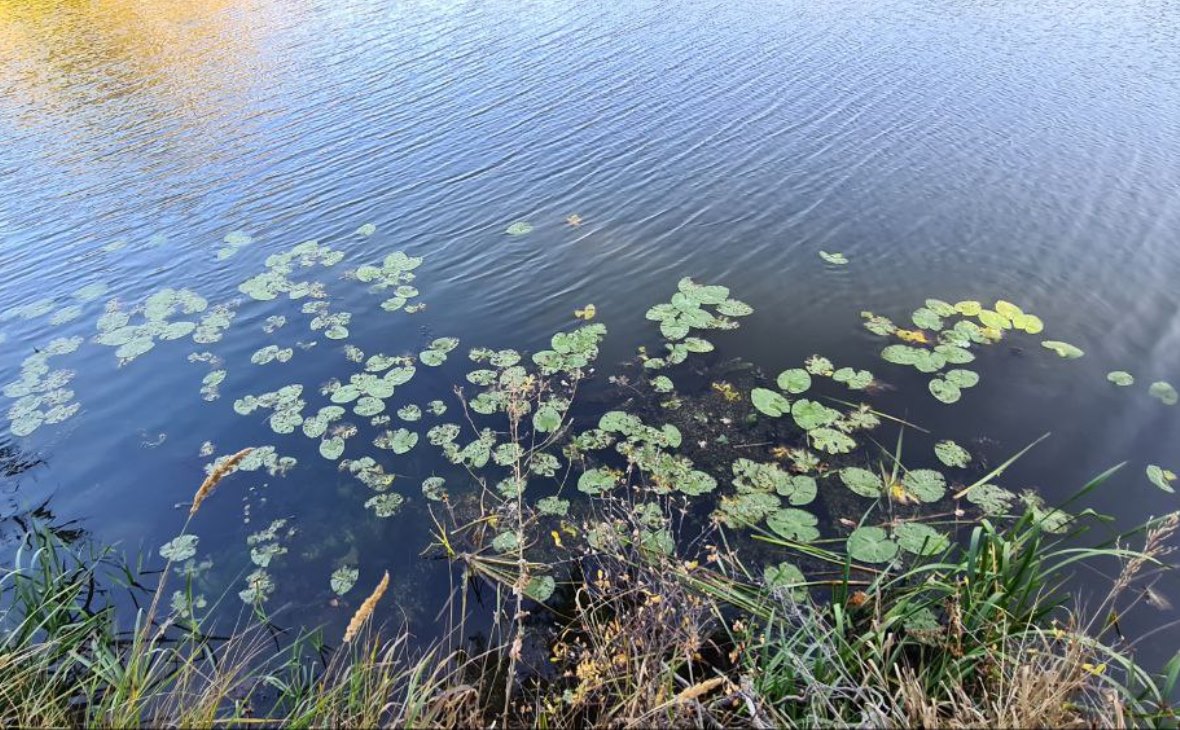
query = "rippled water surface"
x=1029 y=151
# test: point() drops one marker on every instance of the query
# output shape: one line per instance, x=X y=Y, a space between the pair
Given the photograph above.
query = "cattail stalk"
x=362 y=614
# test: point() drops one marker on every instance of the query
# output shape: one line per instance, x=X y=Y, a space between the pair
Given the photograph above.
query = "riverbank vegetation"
x=978 y=633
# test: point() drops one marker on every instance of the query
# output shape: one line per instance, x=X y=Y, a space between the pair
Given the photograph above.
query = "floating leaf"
x=519 y=228
x=831 y=441
x=941 y=308
x=1161 y=477
x=994 y=320
x=553 y=507
x=968 y=308
x=901 y=354
x=436 y=407
x=385 y=505
x=810 y=415
x=596 y=481
x=332 y=448
x=794 y=524
x=861 y=481
x=432 y=358
x=734 y=308
x=920 y=539
x=838 y=259
x=927 y=485
x=871 y=545
x=786 y=576
x=179 y=548
x=1063 y=349
x=662 y=384
x=587 y=313
x=878 y=325
x=951 y=454
x=926 y=319
x=540 y=588
x=954 y=355
x=794 y=381
x=819 y=365
x=770 y=402
x=547 y=419
x=1121 y=378
x=1164 y=392
x=367 y=229
x=343 y=579
x=944 y=390
x=962 y=378
x=991 y=499
x=505 y=542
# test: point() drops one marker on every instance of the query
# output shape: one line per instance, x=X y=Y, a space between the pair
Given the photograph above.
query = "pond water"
x=1024 y=151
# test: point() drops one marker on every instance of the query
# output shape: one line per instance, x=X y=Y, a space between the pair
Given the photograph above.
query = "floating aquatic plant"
x=951 y=454
x=234 y=240
x=837 y=259
x=519 y=228
x=1121 y=378
x=1164 y=393
x=132 y=340
x=42 y=397
x=1161 y=477
x=871 y=545
x=277 y=279
x=343 y=579
x=1063 y=349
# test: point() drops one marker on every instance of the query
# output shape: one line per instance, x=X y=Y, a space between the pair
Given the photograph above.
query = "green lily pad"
x=1161 y=477
x=786 y=576
x=332 y=448
x=343 y=579
x=962 y=378
x=1121 y=378
x=831 y=440
x=920 y=539
x=794 y=524
x=927 y=485
x=1063 y=349
x=944 y=390
x=596 y=481
x=179 y=548
x=901 y=354
x=553 y=506
x=926 y=319
x=367 y=229
x=861 y=481
x=951 y=454
x=995 y=320
x=871 y=545
x=547 y=419
x=1164 y=393
x=819 y=365
x=506 y=542
x=991 y=499
x=540 y=588
x=434 y=489
x=769 y=402
x=432 y=358
x=954 y=355
x=662 y=384
x=794 y=381
x=838 y=259
x=810 y=415
x=940 y=308
x=368 y=406
x=519 y=228
x=385 y=505
x=968 y=308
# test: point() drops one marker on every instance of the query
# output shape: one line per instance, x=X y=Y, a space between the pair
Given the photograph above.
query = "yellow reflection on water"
x=84 y=71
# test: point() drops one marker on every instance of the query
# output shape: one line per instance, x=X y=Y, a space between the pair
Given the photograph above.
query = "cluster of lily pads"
x=944 y=334
x=277 y=279
x=48 y=306
x=393 y=276
x=41 y=393
x=687 y=311
x=119 y=328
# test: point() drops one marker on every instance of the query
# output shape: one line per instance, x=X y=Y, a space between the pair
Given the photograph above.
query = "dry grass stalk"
x=362 y=614
x=220 y=472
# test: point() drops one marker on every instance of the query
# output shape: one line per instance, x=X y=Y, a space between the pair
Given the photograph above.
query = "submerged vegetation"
x=700 y=542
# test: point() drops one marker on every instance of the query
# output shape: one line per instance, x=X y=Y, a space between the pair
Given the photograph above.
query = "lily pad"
x=831 y=441
x=1063 y=349
x=786 y=576
x=343 y=579
x=1164 y=393
x=951 y=454
x=871 y=545
x=1161 y=477
x=596 y=481
x=991 y=499
x=794 y=381
x=926 y=319
x=1121 y=378
x=432 y=358
x=770 y=402
x=385 y=505
x=861 y=481
x=179 y=548
x=332 y=448
x=540 y=588
x=810 y=415
x=553 y=506
x=367 y=229
x=927 y=485
x=920 y=539
x=519 y=228
x=837 y=259
x=944 y=390
x=794 y=524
